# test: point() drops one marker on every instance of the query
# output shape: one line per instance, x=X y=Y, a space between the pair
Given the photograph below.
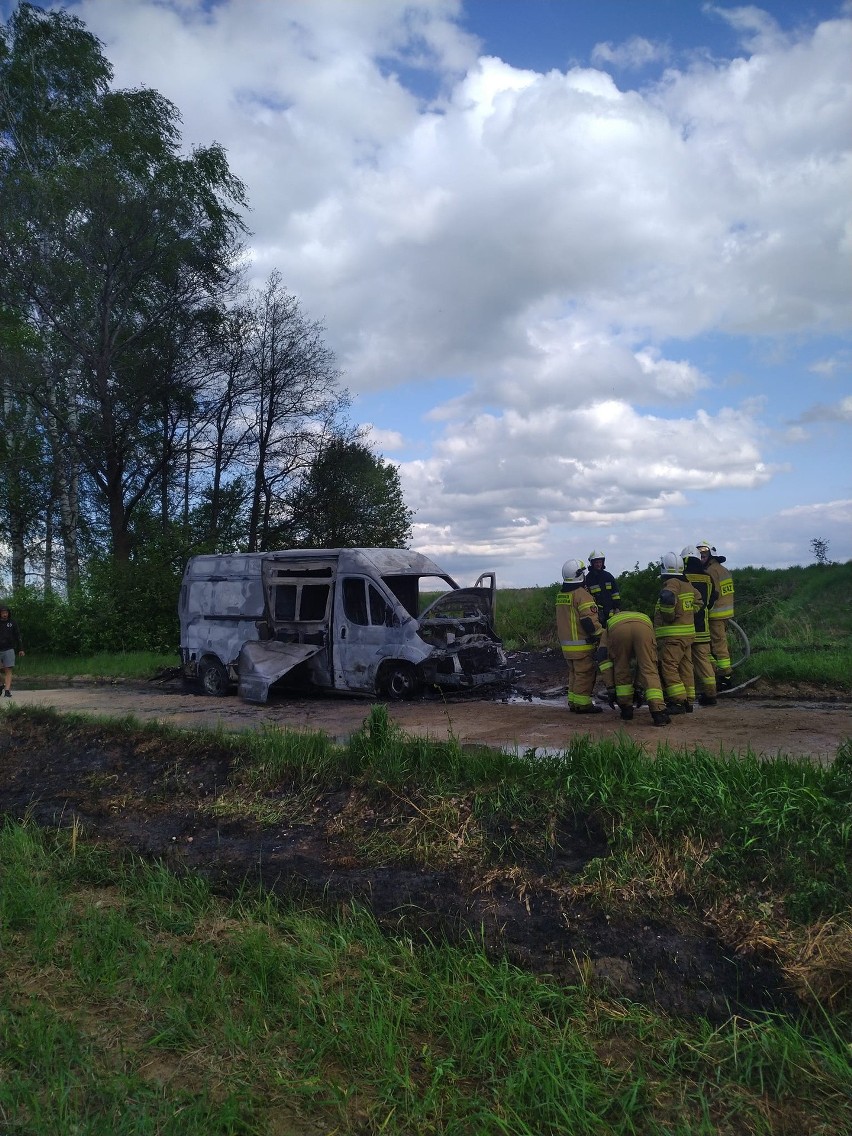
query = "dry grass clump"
x=819 y=965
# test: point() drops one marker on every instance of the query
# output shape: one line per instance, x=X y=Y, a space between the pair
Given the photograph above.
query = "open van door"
x=263 y=663
x=298 y=593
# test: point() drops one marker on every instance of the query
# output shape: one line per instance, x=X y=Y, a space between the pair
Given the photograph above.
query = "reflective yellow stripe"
x=722 y=612
x=675 y=630
x=624 y=616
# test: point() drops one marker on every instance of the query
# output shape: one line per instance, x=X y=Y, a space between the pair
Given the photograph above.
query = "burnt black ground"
x=144 y=792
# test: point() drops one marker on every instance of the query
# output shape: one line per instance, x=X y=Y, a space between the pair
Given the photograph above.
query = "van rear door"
x=298 y=597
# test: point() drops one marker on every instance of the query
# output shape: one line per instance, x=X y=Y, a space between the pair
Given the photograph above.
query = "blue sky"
x=586 y=267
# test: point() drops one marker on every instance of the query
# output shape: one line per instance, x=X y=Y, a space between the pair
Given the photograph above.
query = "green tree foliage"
x=111 y=243
x=117 y=607
x=149 y=408
x=348 y=498
x=640 y=588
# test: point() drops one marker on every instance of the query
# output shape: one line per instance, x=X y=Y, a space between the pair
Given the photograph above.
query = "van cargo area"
x=376 y=622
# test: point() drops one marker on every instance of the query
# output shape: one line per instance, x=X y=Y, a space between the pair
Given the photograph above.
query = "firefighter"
x=628 y=644
x=579 y=630
x=721 y=611
x=702 y=658
x=674 y=627
x=602 y=585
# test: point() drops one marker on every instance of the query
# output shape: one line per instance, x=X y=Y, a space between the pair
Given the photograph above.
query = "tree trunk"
x=67 y=495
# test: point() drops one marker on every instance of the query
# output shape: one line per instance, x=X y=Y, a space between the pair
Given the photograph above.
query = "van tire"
x=213 y=677
x=398 y=681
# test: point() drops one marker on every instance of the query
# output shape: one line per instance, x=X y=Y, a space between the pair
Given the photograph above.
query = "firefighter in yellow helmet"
x=702 y=659
x=579 y=630
x=627 y=644
x=720 y=613
x=674 y=626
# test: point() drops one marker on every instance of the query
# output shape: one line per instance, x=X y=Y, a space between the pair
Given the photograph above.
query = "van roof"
x=383 y=561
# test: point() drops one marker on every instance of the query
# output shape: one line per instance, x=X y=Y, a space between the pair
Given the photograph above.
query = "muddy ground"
x=131 y=791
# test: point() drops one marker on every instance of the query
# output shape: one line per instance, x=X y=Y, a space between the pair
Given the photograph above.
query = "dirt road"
x=766 y=726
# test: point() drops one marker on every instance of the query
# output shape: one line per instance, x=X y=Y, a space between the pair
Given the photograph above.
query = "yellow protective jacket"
x=702 y=581
x=723 y=582
x=674 y=614
x=577 y=622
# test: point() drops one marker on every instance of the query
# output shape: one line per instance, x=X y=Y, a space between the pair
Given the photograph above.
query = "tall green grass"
x=139 y=1003
x=786 y=824
x=103 y=664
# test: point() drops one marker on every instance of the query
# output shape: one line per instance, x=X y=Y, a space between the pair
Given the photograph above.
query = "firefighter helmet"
x=691 y=550
x=704 y=546
x=671 y=564
x=596 y=556
x=573 y=571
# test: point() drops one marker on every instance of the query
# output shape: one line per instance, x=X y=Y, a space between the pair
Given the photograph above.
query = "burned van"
x=352 y=620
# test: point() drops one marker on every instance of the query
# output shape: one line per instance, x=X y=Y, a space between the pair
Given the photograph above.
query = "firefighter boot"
x=675 y=708
x=660 y=718
x=706 y=700
x=589 y=709
x=724 y=682
x=626 y=713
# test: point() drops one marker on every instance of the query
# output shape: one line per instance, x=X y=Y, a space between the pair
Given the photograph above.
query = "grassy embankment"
x=134 y=1002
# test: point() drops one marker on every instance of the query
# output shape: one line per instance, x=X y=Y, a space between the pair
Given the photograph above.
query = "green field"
x=137 y=1001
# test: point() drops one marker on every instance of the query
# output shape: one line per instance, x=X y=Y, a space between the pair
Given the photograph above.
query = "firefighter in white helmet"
x=579 y=630
x=674 y=626
x=602 y=585
x=702 y=658
x=720 y=613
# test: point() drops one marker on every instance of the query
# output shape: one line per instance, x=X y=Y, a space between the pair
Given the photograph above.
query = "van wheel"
x=398 y=682
x=213 y=678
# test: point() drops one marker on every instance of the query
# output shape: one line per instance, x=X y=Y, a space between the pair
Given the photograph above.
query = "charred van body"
x=353 y=620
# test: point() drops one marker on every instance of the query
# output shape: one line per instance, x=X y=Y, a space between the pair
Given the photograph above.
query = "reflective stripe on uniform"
x=576 y=646
x=626 y=616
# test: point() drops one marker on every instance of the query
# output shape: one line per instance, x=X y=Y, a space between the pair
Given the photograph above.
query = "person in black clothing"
x=10 y=642
x=603 y=586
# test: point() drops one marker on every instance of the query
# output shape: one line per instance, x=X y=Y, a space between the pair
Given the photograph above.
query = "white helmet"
x=704 y=546
x=573 y=571
x=671 y=564
x=690 y=550
x=597 y=556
